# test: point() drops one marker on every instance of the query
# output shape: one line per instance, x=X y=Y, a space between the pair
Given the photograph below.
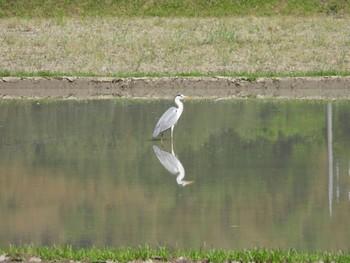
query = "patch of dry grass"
x=175 y=45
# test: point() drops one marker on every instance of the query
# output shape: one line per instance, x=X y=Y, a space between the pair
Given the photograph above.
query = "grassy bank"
x=253 y=46
x=174 y=37
x=163 y=254
x=170 y=8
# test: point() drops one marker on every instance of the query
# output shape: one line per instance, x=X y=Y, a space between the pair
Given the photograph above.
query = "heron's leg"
x=172 y=132
x=172 y=147
x=161 y=138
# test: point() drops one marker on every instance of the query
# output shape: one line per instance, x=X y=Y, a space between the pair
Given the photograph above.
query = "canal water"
x=239 y=174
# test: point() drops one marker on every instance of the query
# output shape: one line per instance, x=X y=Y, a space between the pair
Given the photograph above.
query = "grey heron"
x=170 y=117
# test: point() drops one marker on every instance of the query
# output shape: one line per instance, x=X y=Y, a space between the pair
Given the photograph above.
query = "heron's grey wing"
x=167 y=120
x=169 y=161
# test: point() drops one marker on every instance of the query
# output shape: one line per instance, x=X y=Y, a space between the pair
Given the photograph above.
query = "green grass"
x=60 y=253
x=160 y=38
x=176 y=46
x=170 y=8
x=248 y=75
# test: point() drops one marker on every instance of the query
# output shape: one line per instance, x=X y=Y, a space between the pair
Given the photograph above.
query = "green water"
x=272 y=174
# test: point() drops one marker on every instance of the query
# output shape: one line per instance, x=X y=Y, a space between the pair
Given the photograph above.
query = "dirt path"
x=203 y=87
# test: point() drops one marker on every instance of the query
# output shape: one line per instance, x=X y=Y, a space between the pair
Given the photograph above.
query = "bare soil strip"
x=197 y=87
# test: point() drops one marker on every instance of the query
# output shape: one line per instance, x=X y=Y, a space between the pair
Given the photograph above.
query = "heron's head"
x=181 y=97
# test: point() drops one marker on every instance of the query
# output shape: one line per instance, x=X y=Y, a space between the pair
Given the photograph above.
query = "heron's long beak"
x=187 y=98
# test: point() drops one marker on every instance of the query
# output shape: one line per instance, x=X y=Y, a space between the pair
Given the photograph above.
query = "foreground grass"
x=163 y=254
x=248 y=75
x=170 y=8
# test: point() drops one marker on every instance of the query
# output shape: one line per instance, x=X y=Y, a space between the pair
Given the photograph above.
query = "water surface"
x=259 y=173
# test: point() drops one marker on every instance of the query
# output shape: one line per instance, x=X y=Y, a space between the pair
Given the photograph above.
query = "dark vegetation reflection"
x=86 y=173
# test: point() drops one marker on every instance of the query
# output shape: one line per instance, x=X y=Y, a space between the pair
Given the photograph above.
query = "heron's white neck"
x=180 y=106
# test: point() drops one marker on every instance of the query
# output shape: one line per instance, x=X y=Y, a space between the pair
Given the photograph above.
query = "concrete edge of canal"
x=197 y=87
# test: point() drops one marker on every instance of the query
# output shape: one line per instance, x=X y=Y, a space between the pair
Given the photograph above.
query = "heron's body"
x=170 y=117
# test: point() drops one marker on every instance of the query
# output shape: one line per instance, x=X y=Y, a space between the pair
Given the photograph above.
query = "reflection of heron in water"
x=172 y=164
x=169 y=118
